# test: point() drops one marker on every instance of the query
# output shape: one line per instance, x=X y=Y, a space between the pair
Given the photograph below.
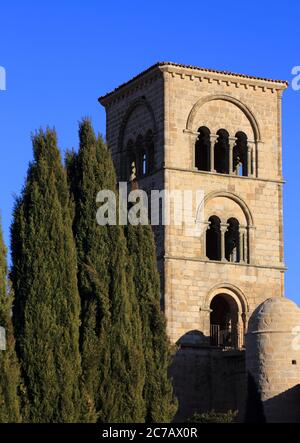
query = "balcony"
x=230 y=338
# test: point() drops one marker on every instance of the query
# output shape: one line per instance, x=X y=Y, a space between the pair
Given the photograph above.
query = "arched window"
x=139 y=148
x=202 y=149
x=150 y=150
x=131 y=159
x=222 y=152
x=232 y=241
x=240 y=155
x=144 y=163
x=226 y=328
x=213 y=239
x=140 y=156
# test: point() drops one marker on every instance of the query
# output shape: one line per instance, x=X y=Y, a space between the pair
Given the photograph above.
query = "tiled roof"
x=178 y=65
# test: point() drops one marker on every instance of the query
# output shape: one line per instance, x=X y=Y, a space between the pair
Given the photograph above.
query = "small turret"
x=273 y=358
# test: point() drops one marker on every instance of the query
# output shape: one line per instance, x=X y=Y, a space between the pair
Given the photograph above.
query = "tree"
x=47 y=304
x=112 y=357
x=9 y=366
x=158 y=392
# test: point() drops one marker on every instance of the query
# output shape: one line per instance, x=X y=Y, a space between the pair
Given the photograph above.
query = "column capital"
x=224 y=226
x=204 y=223
x=190 y=132
x=208 y=310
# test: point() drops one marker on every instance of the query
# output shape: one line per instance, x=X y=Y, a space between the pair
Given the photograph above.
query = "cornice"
x=192 y=73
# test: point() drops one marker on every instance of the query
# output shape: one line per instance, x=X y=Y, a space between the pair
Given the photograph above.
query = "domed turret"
x=273 y=358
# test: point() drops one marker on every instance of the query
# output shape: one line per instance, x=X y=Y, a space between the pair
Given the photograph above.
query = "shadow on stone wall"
x=254 y=407
x=284 y=408
x=206 y=378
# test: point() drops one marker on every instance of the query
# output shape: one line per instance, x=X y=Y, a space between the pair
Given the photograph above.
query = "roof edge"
x=195 y=68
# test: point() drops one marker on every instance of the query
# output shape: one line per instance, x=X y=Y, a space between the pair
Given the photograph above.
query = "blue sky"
x=60 y=56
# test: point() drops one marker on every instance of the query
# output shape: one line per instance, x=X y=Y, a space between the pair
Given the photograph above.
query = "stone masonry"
x=273 y=358
x=171 y=102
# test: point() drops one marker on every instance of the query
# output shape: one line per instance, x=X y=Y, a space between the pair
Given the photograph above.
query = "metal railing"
x=226 y=338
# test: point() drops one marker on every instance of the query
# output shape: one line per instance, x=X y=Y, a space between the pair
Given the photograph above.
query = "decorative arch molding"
x=190 y=125
x=231 y=196
x=140 y=101
x=233 y=291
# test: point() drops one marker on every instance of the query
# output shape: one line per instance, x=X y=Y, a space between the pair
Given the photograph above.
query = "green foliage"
x=47 y=304
x=114 y=320
x=214 y=417
x=158 y=393
x=9 y=366
x=111 y=346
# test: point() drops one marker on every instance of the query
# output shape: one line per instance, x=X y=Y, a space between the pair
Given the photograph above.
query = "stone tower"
x=178 y=127
x=273 y=358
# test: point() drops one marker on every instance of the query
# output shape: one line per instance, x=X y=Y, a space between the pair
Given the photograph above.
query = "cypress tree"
x=47 y=304
x=9 y=366
x=112 y=358
x=158 y=392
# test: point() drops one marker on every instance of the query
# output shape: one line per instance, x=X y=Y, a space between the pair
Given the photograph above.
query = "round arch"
x=231 y=196
x=231 y=290
x=248 y=113
x=141 y=101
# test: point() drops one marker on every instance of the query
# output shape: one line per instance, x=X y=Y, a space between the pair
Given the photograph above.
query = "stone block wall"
x=174 y=101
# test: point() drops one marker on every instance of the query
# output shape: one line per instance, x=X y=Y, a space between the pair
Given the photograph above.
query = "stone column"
x=232 y=143
x=249 y=243
x=224 y=227
x=242 y=239
x=243 y=328
x=205 y=322
x=251 y=149
x=193 y=136
x=240 y=332
x=205 y=228
x=249 y=162
x=213 y=140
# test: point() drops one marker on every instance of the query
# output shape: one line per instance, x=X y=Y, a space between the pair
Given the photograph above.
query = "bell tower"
x=177 y=127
